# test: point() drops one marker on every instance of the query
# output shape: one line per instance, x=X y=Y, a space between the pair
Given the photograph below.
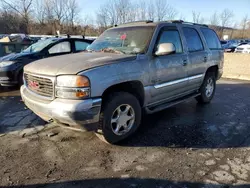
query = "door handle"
x=184 y=62
x=205 y=59
x=155 y=81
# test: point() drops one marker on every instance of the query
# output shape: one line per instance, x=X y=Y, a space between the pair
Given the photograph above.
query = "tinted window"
x=211 y=39
x=193 y=40
x=9 y=48
x=62 y=47
x=80 y=46
x=171 y=36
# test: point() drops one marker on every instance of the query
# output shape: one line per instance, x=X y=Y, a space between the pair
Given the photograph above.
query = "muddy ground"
x=188 y=145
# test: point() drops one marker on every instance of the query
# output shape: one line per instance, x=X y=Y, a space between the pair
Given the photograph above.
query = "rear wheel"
x=207 y=89
x=120 y=117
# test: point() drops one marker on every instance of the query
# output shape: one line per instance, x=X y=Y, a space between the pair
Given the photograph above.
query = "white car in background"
x=243 y=49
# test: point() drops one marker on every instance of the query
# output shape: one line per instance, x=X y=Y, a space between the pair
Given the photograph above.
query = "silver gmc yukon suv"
x=130 y=69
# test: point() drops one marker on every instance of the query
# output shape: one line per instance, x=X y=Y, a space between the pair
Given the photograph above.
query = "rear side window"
x=211 y=39
x=171 y=36
x=81 y=46
x=62 y=47
x=193 y=39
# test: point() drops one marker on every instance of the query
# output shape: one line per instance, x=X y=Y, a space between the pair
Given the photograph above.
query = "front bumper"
x=7 y=77
x=74 y=114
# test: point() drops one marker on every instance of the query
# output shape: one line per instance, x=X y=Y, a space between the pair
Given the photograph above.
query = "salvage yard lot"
x=185 y=146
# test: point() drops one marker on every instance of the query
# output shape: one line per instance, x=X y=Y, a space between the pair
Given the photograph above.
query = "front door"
x=169 y=72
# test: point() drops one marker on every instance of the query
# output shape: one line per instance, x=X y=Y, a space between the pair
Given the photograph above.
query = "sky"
x=184 y=7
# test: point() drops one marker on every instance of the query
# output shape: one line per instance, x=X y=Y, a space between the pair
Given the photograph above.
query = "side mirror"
x=165 y=49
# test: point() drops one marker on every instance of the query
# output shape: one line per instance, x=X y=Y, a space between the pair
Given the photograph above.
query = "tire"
x=110 y=132
x=207 y=89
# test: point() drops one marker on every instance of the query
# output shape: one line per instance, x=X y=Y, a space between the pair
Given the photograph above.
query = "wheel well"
x=133 y=87
x=213 y=69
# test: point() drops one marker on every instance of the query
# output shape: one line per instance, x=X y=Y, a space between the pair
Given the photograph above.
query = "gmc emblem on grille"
x=33 y=85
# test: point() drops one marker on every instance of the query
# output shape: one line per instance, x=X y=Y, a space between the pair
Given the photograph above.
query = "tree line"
x=49 y=16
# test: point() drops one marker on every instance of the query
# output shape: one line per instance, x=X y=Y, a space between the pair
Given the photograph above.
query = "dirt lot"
x=185 y=146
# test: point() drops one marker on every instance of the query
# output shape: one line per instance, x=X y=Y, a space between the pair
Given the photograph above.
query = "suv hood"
x=74 y=63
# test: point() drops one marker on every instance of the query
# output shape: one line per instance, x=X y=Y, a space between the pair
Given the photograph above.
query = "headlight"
x=72 y=87
x=6 y=63
x=72 y=93
x=72 y=81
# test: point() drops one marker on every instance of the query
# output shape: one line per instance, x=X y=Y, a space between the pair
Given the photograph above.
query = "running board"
x=151 y=110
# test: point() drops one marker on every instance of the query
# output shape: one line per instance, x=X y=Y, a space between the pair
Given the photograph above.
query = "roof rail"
x=140 y=21
x=183 y=22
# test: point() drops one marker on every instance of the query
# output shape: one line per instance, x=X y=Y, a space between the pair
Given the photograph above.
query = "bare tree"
x=171 y=13
x=40 y=11
x=123 y=7
x=226 y=17
x=102 y=18
x=72 y=12
x=107 y=14
x=214 y=19
x=151 y=11
x=244 y=25
x=111 y=12
x=60 y=8
x=181 y=17
x=226 y=20
x=141 y=8
x=160 y=9
x=197 y=17
x=233 y=30
x=164 y=10
x=22 y=7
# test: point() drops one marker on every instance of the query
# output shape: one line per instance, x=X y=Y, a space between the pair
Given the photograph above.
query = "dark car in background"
x=231 y=48
x=11 y=66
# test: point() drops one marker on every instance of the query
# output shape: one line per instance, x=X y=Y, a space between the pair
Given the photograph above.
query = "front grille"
x=39 y=85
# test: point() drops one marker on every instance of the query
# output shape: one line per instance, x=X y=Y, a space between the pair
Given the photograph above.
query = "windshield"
x=128 y=40
x=38 y=46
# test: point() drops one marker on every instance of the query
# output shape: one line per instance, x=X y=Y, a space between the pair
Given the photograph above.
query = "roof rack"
x=140 y=21
x=183 y=22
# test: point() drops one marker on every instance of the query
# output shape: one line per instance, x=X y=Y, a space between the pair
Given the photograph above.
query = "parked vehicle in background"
x=7 y=48
x=224 y=44
x=232 y=47
x=11 y=66
x=135 y=67
x=245 y=48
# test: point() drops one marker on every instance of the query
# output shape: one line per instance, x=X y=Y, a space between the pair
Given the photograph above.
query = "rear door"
x=169 y=72
x=197 y=55
x=215 y=51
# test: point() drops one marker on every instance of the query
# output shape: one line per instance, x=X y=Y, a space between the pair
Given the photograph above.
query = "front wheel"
x=120 y=117
x=207 y=89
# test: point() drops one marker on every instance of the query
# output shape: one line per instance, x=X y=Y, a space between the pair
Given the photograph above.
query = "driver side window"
x=171 y=36
x=62 y=47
